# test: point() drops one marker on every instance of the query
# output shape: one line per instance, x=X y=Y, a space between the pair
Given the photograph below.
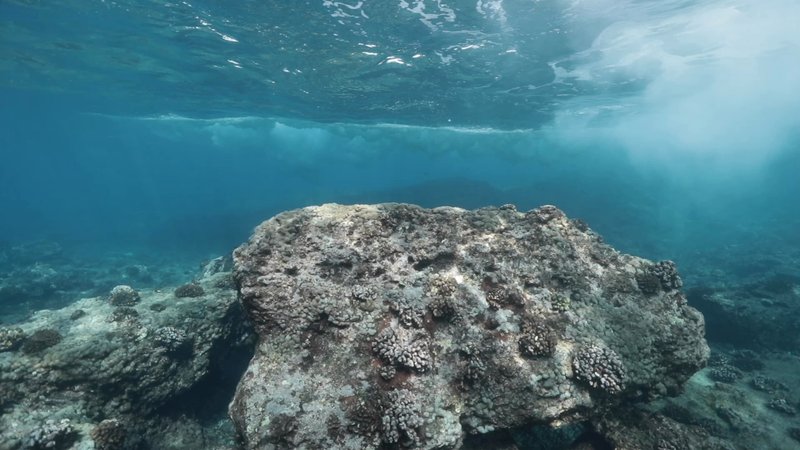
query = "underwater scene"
x=400 y=224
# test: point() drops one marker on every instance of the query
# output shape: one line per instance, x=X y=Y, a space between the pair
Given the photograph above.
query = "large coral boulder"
x=391 y=325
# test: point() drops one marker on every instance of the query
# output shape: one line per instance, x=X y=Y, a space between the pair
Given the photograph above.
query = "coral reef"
x=398 y=326
x=667 y=274
x=752 y=411
x=124 y=314
x=648 y=282
x=661 y=275
x=782 y=406
x=632 y=428
x=766 y=306
x=766 y=384
x=560 y=303
x=189 y=290
x=44 y=275
x=724 y=373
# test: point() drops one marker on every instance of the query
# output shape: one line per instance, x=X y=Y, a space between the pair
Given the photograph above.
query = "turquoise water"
x=156 y=122
x=165 y=131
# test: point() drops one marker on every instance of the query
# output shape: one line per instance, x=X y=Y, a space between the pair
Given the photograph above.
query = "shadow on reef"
x=207 y=400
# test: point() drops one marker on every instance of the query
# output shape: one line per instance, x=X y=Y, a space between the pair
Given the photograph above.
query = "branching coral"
x=172 y=339
x=401 y=418
x=600 y=368
x=536 y=340
x=661 y=275
x=667 y=274
x=363 y=293
x=724 y=373
x=404 y=348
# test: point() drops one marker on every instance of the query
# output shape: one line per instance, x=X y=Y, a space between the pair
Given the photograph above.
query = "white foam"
x=714 y=81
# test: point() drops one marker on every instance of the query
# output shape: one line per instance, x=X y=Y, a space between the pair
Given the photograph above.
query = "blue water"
x=182 y=124
x=168 y=130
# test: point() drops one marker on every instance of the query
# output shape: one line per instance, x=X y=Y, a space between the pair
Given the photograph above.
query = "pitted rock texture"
x=393 y=325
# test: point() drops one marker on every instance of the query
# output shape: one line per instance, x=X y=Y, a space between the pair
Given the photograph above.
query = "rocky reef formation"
x=44 y=275
x=393 y=325
x=128 y=369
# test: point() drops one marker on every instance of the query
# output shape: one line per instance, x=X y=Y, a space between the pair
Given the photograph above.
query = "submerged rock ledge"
x=129 y=370
x=394 y=325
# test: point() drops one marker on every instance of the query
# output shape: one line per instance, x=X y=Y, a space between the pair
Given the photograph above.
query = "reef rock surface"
x=92 y=373
x=394 y=325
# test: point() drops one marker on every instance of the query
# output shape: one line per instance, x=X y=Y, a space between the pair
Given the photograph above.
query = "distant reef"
x=395 y=326
x=45 y=275
x=758 y=311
